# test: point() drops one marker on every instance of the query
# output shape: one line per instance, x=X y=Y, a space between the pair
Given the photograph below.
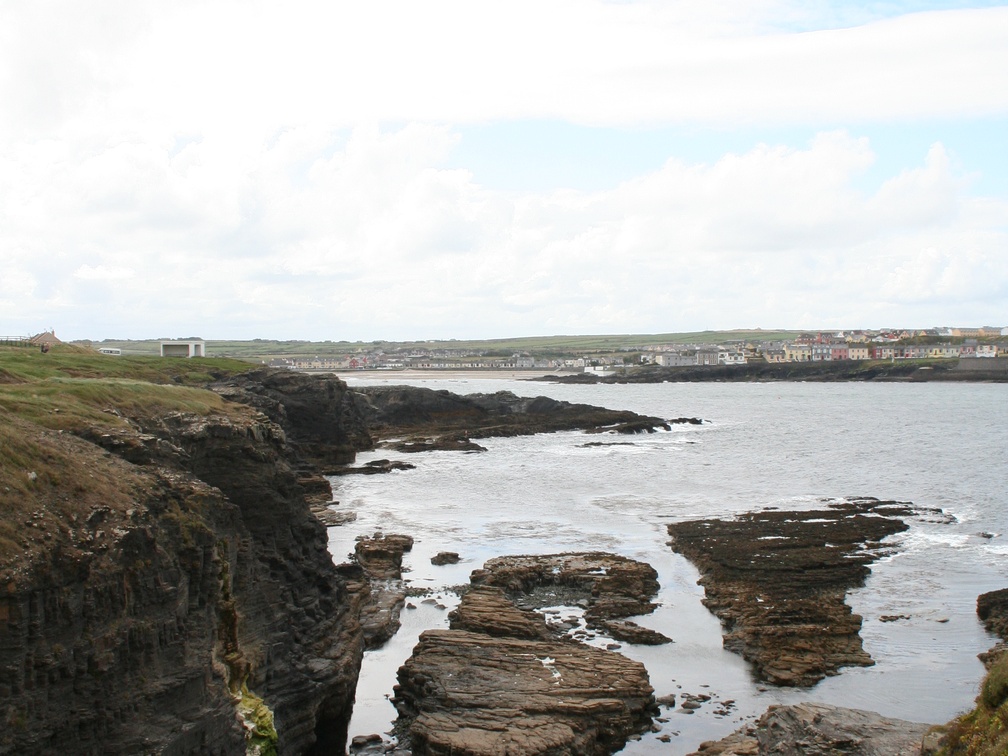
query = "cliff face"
x=320 y=415
x=162 y=575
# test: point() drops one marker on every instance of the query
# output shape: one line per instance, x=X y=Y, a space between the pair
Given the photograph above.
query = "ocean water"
x=786 y=445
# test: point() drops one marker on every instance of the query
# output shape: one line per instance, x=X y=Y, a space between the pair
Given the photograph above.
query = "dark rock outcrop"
x=424 y=419
x=992 y=609
x=809 y=729
x=197 y=592
x=318 y=413
x=374 y=467
x=777 y=581
x=915 y=371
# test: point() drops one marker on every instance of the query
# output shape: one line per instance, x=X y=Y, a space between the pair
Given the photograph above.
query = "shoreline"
x=441 y=375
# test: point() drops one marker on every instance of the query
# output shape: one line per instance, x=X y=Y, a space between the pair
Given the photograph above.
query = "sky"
x=437 y=169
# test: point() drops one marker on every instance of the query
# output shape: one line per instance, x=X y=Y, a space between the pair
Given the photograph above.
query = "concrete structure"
x=192 y=348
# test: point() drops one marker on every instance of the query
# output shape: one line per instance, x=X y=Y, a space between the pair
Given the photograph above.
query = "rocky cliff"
x=166 y=588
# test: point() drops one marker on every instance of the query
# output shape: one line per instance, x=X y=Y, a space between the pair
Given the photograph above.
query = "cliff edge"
x=165 y=586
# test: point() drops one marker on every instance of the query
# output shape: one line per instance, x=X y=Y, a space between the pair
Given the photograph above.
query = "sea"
x=791 y=446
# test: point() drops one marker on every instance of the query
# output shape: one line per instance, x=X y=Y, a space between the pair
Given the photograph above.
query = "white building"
x=193 y=348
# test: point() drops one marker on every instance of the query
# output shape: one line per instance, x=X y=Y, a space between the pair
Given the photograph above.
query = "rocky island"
x=777 y=580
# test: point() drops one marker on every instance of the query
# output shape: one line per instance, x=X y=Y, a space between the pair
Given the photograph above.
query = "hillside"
x=165 y=581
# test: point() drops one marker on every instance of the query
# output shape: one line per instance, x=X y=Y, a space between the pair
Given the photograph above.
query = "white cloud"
x=195 y=167
x=103 y=273
x=239 y=71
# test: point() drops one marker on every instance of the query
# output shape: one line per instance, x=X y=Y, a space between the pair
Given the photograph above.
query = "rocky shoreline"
x=502 y=679
x=913 y=371
x=183 y=600
x=777 y=581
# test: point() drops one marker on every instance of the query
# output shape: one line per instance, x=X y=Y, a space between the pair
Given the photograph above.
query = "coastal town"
x=822 y=346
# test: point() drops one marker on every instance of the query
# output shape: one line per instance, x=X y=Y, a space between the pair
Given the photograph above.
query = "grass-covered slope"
x=48 y=474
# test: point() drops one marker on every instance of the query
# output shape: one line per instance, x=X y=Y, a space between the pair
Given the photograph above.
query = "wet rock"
x=374 y=467
x=447 y=442
x=381 y=555
x=777 y=581
x=486 y=609
x=380 y=559
x=502 y=680
x=333 y=517
x=469 y=693
x=445 y=557
x=630 y=632
x=810 y=729
x=610 y=587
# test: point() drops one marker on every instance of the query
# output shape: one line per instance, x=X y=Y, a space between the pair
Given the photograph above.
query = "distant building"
x=46 y=339
x=676 y=359
x=191 y=348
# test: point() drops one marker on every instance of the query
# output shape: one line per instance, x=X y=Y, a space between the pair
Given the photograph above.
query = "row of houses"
x=708 y=356
x=422 y=362
x=817 y=350
x=822 y=352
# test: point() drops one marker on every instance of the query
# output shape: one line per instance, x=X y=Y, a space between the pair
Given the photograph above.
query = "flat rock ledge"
x=609 y=587
x=777 y=581
x=501 y=680
x=810 y=729
x=474 y=694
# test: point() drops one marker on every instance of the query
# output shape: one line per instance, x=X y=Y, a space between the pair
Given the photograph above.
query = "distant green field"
x=264 y=349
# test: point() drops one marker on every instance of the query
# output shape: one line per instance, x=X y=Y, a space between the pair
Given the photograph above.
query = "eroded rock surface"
x=380 y=559
x=501 y=680
x=470 y=693
x=810 y=729
x=200 y=574
x=777 y=581
x=610 y=588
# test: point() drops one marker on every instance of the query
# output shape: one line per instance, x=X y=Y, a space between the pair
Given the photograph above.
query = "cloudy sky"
x=416 y=169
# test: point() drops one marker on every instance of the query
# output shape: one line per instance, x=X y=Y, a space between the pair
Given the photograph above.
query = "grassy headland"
x=46 y=400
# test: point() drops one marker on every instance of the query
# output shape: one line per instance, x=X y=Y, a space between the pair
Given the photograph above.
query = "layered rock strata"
x=173 y=593
x=475 y=694
x=380 y=558
x=502 y=680
x=810 y=729
x=320 y=416
x=610 y=587
x=777 y=581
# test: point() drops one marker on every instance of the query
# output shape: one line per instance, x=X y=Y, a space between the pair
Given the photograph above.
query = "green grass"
x=75 y=403
x=983 y=731
x=560 y=345
x=48 y=475
x=18 y=364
